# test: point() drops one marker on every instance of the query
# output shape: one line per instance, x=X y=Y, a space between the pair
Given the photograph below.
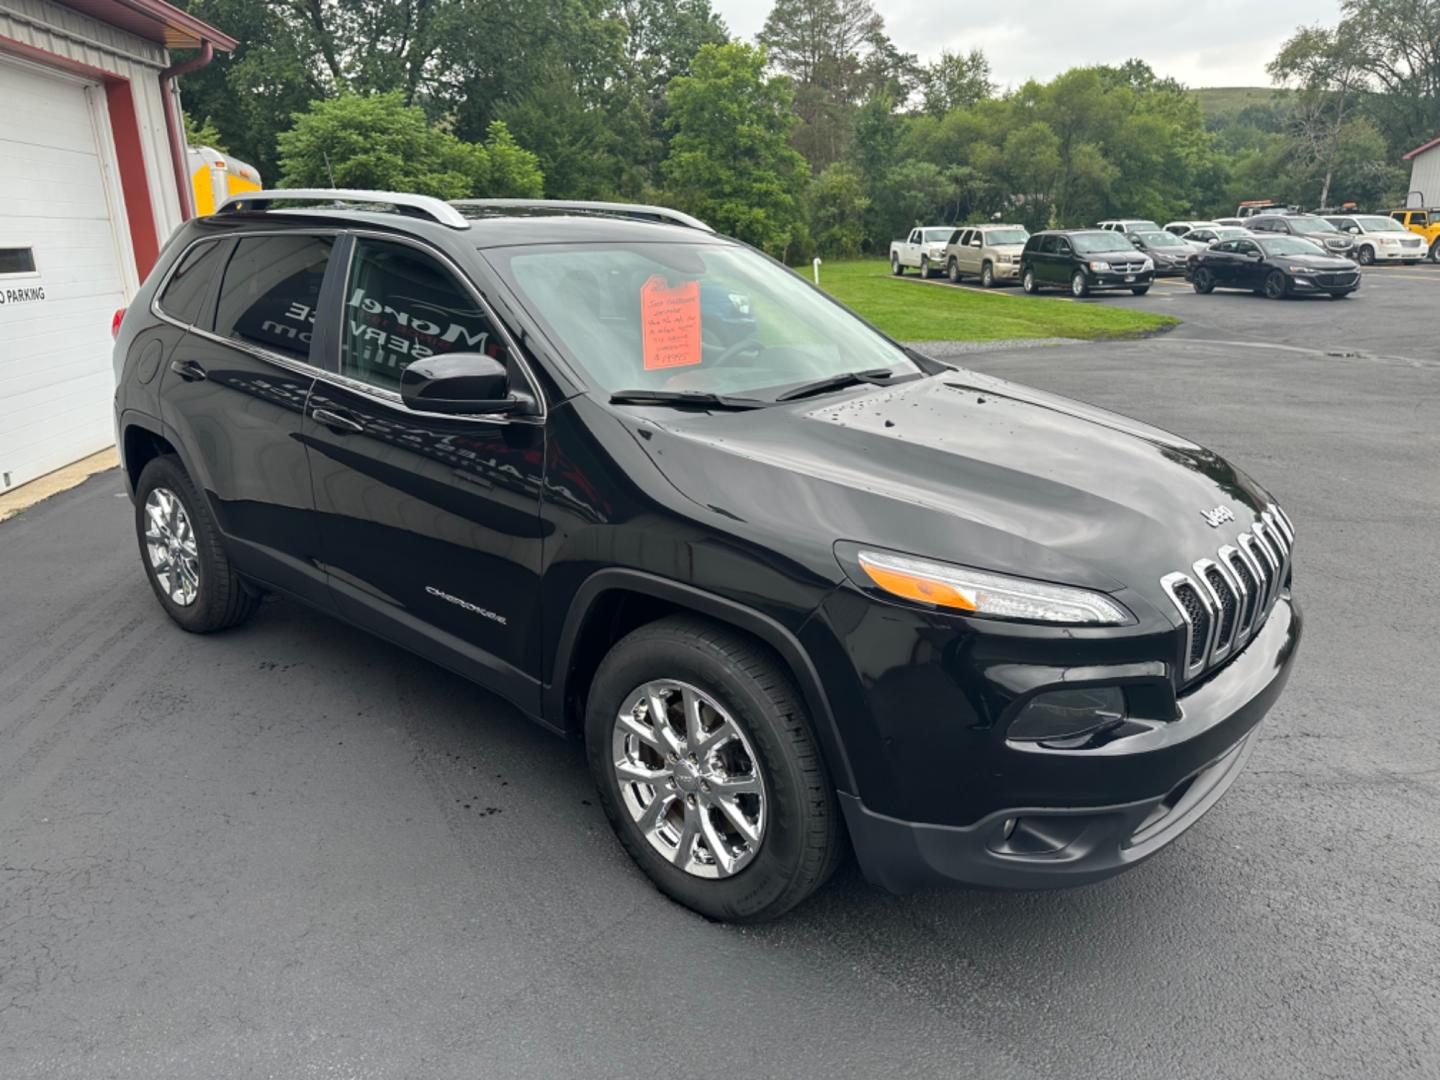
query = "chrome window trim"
x=438 y=210
x=344 y=382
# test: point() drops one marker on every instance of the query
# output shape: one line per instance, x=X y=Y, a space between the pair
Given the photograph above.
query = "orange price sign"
x=670 y=324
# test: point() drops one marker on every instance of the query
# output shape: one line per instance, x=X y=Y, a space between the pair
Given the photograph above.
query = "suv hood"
x=965 y=468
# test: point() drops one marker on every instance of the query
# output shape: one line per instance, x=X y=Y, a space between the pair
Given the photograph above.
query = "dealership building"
x=1424 y=174
x=93 y=179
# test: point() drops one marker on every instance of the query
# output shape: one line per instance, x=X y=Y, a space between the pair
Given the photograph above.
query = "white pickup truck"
x=923 y=250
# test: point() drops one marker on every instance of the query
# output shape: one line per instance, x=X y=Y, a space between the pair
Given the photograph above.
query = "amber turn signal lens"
x=926 y=590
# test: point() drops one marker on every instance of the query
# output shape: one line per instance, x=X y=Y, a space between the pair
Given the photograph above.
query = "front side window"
x=190 y=283
x=700 y=317
x=402 y=306
x=1246 y=247
x=270 y=292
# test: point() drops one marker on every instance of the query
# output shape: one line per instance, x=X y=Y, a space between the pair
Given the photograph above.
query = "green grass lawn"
x=909 y=310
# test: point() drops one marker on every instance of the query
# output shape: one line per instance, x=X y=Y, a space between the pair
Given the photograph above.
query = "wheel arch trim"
x=792 y=654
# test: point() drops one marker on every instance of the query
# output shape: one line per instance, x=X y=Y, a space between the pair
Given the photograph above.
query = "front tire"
x=709 y=771
x=1435 y=251
x=1140 y=290
x=1079 y=287
x=1028 y=282
x=183 y=555
x=1276 y=286
x=895 y=267
x=987 y=276
x=1366 y=256
x=925 y=267
x=952 y=270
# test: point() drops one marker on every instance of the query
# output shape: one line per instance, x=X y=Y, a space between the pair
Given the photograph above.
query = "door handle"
x=336 y=421
x=188 y=370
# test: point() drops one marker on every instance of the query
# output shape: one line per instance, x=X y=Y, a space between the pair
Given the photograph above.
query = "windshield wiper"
x=874 y=376
x=699 y=398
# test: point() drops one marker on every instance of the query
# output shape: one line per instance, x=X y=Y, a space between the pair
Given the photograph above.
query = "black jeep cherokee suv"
x=789 y=580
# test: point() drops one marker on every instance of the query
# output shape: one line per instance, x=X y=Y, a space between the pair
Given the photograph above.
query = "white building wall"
x=1425 y=177
x=77 y=37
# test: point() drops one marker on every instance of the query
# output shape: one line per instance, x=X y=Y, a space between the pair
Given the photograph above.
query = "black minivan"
x=799 y=589
x=1084 y=261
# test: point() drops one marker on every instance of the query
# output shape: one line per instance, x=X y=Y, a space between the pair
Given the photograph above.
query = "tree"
x=955 y=82
x=379 y=142
x=730 y=161
x=1326 y=67
x=837 y=211
x=837 y=53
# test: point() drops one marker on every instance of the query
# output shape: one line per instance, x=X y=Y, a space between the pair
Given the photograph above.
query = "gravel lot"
x=294 y=851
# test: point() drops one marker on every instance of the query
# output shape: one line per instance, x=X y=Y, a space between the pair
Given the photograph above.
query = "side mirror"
x=458 y=383
x=1135 y=240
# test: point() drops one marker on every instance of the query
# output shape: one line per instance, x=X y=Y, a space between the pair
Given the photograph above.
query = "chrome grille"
x=1224 y=601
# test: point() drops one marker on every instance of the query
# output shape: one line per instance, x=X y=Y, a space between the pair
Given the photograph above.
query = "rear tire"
x=182 y=552
x=800 y=837
x=1203 y=282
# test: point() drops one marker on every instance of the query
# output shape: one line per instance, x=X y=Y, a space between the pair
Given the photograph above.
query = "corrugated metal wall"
x=1425 y=176
x=57 y=29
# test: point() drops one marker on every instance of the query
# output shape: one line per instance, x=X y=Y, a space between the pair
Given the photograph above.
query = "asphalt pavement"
x=294 y=851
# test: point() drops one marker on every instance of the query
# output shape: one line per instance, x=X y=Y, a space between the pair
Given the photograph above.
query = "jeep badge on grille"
x=1217 y=516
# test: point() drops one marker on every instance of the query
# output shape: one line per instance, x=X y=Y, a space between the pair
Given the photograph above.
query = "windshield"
x=709 y=318
x=1006 y=236
x=1380 y=224
x=1140 y=225
x=1286 y=245
x=1161 y=240
x=1312 y=225
x=1097 y=243
x=937 y=236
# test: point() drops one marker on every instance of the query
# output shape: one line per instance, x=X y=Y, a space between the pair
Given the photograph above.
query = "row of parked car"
x=1277 y=253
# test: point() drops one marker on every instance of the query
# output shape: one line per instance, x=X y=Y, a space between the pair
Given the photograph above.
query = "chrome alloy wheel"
x=170 y=546
x=689 y=778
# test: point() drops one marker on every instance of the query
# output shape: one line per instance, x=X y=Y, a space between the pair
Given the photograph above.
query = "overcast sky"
x=1199 y=42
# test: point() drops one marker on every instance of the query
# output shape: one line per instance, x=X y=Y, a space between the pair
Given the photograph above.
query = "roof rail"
x=437 y=210
x=638 y=211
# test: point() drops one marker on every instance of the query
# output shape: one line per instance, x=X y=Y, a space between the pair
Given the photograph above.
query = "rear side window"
x=270 y=292
x=402 y=306
x=190 y=284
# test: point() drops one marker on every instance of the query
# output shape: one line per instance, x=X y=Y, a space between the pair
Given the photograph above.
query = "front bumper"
x=1300 y=284
x=1399 y=254
x=1082 y=816
x=1005 y=271
x=1120 y=281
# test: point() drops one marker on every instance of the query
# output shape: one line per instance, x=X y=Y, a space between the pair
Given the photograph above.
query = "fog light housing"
x=1067 y=715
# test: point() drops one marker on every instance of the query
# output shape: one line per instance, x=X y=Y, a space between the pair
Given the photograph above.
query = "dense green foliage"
x=381 y=143
x=826 y=139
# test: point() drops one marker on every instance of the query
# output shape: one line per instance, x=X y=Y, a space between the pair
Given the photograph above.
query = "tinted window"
x=17 y=260
x=1062 y=246
x=1246 y=247
x=185 y=291
x=1047 y=245
x=270 y=292
x=401 y=306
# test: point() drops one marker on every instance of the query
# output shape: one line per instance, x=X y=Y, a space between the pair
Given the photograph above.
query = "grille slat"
x=1223 y=604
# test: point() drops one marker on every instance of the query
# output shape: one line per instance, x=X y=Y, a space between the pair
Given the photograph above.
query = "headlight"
x=1007 y=258
x=959 y=588
x=1147 y=265
x=1099 y=264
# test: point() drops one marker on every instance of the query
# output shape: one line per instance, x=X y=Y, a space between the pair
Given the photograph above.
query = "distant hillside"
x=1223 y=100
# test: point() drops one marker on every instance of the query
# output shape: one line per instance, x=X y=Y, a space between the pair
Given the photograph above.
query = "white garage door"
x=56 y=386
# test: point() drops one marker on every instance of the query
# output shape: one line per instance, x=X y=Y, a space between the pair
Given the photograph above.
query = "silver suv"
x=989 y=252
